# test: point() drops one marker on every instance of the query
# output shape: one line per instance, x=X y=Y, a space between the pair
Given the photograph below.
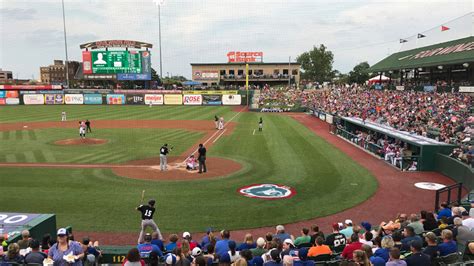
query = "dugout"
x=423 y=150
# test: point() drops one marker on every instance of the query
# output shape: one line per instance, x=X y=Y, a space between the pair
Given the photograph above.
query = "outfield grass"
x=97 y=200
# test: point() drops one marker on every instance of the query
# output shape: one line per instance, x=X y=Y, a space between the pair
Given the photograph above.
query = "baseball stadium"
x=247 y=163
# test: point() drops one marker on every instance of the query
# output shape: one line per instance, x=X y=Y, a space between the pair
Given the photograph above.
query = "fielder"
x=82 y=129
x=63 y=116
x=147 y=219
x=221 y=123
x=260 y=124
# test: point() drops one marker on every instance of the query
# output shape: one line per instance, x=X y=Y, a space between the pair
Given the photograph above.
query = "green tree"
x=359 y=73
x=316 y=64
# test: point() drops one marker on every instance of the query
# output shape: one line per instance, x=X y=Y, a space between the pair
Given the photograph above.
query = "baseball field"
x=95 y=187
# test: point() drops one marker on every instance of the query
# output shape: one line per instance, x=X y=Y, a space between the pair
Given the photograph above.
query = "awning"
x=453 y=52
x=191 y=83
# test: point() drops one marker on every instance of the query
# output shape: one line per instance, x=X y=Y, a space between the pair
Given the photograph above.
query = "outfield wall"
x=121 y=97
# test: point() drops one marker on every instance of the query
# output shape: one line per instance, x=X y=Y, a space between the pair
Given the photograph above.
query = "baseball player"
x=88 y=125
x=260 y=124
x=216 y=121
x=63 y=116
x=147 y=219
x=82 y=129
x=221 y=123
x=163 y=157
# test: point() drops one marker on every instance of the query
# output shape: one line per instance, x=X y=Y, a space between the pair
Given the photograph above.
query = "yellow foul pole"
x=247 y=81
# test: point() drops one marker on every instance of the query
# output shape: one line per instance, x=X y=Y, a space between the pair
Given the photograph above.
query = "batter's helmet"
x=151 y=202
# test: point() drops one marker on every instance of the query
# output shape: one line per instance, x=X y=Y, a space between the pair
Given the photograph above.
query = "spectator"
x=192 y=244
x=146 y=248
x=172 y=244
x=171 y=259
x=155 y=240
x=336 y=241
x=208 y=238
x=45 y=243
x=304 y=238
x=397 y=239
x=275 y=259
x=367 y=240
x=222 y=246
x=409 y=235
x=444 y=212
x=348 y=231
x=353 y=245
x=431 y=249
x=464 y=234
x=260 y=249
x=133 y=258
x=233 y=253
x=248 y=243
x=319 y=248
x=360 y=257
x=288 y=248
x=384 y=251
x=91 y=253
x=316 y=233
x=416 y=224
x=280 y=233
x=303 y=258
x=417 y=258
x=395 y=258
x=469 y=221
x=59 y=251
x=25 y=239
x=13 y=254
x=429 y=223
x=375 y=261
x=448 y=246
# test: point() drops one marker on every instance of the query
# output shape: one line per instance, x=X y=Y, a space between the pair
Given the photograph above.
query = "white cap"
x=348 y=221
x=186 y=234
x=170 y=259
x=62 y=231
x=289 y=242
x=196 y=252
x=280 y=227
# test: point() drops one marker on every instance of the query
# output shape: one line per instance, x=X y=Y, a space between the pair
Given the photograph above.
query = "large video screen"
x=126 y=64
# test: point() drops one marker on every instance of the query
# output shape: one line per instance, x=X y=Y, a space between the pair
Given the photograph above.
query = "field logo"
x=429 y=185
x=267 y=191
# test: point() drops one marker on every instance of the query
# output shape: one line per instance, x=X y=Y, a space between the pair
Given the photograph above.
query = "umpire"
x=163 y=157
x=147 y=219
x=202 y=159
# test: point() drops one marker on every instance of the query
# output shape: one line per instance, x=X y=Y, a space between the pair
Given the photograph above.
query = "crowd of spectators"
x=445 y=117
x=417 y=239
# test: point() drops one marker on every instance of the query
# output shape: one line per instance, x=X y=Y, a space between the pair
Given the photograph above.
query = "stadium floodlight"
x=159 y=3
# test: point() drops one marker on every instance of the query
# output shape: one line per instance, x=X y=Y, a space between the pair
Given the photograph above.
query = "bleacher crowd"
x=417 y=239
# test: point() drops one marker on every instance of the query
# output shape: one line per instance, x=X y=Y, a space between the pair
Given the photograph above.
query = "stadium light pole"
x=159 y=3
x=65 y=46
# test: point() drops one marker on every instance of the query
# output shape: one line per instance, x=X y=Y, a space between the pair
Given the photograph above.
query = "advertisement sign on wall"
x=173 y=99
x=132 y=76
x=212 y=92
x=115 y=99
x=74 y=99
x=3 y=94
x=135 y=99
x=195 y=99
x=154 y=99
x=231 y=99
x=244 y=56
x=12 y=101
x=212 y=99
x=33 y=98
x=3 y=101
x=92 y=98
x=206 y=74
x=400 y=88
x=12 y=94
x=53 y=99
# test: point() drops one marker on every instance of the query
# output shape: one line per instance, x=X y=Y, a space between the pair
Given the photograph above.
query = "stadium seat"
x=323 y=257
x=304 y=245
x=449 y=259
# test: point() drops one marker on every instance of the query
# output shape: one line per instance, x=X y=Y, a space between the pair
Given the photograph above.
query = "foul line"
x=219 y=135
x=216 y=133
x=253 y=132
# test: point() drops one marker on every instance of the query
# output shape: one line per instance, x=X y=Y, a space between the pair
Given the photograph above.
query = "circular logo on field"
x=267 y=191
x=429 y=185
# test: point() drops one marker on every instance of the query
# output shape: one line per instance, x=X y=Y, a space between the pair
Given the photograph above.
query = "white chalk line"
x=253 y=132
x=219 y=135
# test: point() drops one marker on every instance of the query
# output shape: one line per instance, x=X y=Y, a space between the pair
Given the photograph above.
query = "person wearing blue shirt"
x=156 y=241
x=222 y=246
x=448 y=246
x=445 y=211
x=409 y=236
x=172 y=244
x=280 y=233
x=146 y=248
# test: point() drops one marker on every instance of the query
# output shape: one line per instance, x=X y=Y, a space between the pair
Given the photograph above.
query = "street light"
x=159 y=3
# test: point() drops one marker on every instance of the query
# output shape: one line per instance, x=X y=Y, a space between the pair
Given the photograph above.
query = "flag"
x=444 y=28
x=421 y=36
x=403 y=40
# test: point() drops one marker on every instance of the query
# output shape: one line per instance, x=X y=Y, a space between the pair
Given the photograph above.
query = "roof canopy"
x=453 y=52
x=116 y=43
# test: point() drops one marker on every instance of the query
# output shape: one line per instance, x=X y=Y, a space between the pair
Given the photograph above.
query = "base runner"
x=147 y=219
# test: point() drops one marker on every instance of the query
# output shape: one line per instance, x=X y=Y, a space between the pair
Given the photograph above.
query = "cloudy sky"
x=31 y=32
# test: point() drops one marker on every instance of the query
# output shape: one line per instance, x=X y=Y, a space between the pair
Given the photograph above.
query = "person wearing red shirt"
x=349 y=249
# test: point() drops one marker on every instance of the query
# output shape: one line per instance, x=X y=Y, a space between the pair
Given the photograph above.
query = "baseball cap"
x=348 y=222
x=151 y=202
x=289 y=242
x=280 y=227
x=186 y=234
x=170 y=259
x=62 y=232
x=196 y=252
x=367 y=226
x=148 y=237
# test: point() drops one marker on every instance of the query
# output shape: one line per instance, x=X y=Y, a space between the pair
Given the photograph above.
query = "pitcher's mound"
x=78 y=141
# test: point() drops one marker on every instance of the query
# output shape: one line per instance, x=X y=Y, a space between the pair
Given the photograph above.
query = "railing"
x=457 y=198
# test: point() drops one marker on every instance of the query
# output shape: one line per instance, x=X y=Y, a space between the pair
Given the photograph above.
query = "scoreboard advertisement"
x=126 y=65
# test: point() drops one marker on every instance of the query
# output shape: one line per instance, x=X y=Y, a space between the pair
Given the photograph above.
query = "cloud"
x=17 y=13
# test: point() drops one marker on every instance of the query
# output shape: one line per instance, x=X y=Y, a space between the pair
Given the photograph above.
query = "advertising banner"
x=30 y=87
x=466 y=89
x=3 y=101
x=231 y=99
x=146 y=62
x=212 y=99
x=33 y=98
x=12 y=101
x=132 y=76
x=92 y=98
x=12 y=94
x=428 y=88
x=53 y=99
x=192 y=99
x=149 y=91
x=135 y=99
x=206 y=75
x=3 y=94
x=86 y=62
x=400 y=88
x=115 y=99
x=74 y=99
x=173 y=99
x=154 y=99
x=211 y=92
x=329 y=118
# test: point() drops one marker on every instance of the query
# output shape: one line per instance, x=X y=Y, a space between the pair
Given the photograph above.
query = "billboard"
x=12 y=101
x=3 y=101
x=74 y=99
x=135 y=99
x=195 y=99
x=238 y=57
x=205 y=75
x=12 y=94
x=30 y=87
x=115 y=99
x=212 y=92
x=174 y=99
x=132 y=76
x=53 y=99
x=231 y=99
x=154 y=99
x=112 y=62
x=3 y=94
x=33 y=98
x=92 y=98
x=212 y=99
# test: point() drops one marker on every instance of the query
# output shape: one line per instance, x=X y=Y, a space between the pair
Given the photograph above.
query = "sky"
x=203 y=31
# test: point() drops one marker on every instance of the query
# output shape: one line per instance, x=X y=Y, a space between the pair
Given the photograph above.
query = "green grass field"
x=97 y=200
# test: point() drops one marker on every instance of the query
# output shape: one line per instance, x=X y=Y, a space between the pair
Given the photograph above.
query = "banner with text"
x=192 y=99
x=3 y=94
x=12 y=101
x=12 y=94
x=92 y=98
x=231 y=99
x=33 y=98
x=135 y=99
x=53 y=99
x=212 y=99
x=154 y=99
x=173 y=99
x=74 y=99
x=211 y=92
x=115 y=99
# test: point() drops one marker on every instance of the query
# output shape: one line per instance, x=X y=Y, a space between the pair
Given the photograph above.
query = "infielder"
x=82 y=129
x=163 y=157
x=221 y=123
x=63 y=116
x=216 y=121
x=147 y=219
x=260 y=124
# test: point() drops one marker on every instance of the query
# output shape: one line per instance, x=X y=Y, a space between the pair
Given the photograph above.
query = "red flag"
x=444 y=28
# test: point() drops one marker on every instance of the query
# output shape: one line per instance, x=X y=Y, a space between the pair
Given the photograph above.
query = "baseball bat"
x=143 y=196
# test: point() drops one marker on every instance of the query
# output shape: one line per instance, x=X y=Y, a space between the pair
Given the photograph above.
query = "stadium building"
x=233 y=73
x=448 y=64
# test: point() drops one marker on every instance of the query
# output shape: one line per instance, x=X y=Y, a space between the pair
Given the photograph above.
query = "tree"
x=359 y=73
x=316 y=64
